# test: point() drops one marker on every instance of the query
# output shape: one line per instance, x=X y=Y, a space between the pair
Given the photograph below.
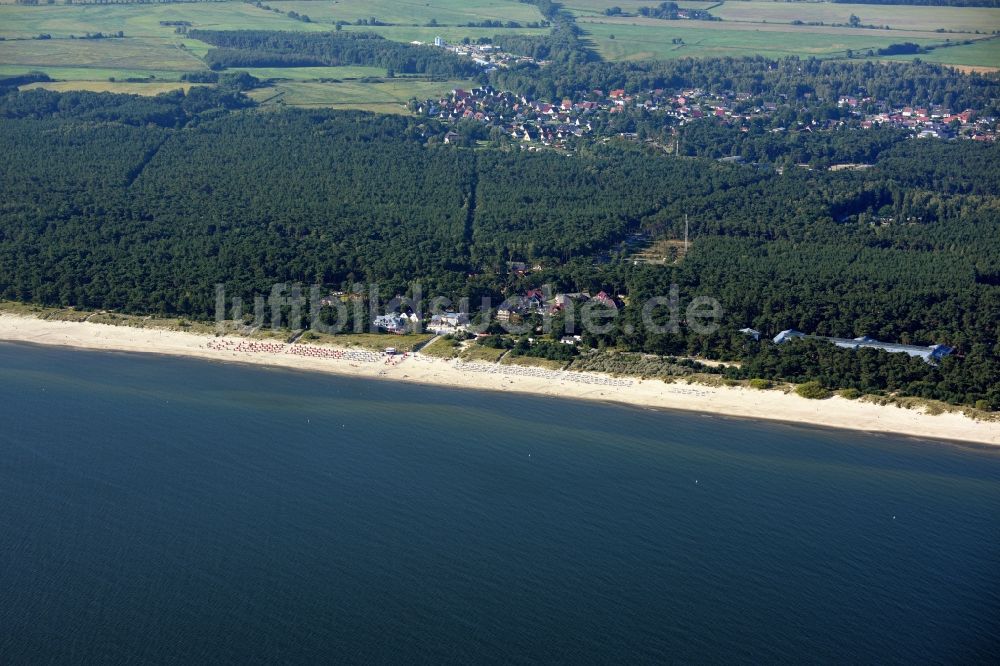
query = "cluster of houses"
x=513 y=310
x=518 y=117
x=558 y=123
x=441 y=324
x=488 y=56
x=534 y=302
x=932 y=122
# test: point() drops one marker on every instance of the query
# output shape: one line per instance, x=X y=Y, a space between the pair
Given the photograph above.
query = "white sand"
x=729 y=401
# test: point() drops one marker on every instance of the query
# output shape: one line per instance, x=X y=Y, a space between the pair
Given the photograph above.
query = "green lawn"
x=402 y=12
x=389 y=96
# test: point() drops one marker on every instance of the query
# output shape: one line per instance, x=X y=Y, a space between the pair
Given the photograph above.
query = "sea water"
x=158 y=509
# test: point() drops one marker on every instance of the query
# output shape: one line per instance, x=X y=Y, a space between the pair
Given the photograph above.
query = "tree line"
x=265 y=48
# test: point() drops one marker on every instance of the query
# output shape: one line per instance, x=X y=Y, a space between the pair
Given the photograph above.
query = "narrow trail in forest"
x=147 y=158
x=470 y=213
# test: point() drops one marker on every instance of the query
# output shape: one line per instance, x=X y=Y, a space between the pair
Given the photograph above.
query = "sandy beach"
x=834 y=412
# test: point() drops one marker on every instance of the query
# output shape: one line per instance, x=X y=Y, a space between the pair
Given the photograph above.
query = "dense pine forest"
x=143 y=205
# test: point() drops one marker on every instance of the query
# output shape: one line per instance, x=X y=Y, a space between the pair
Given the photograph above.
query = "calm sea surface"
x=166 y=510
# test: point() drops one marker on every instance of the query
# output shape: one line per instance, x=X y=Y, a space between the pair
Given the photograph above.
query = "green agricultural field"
x=152 y=88
x=632 y=39
x=139 y=20
x=765 y=27
x=593 y=8
x=448 y=33
x=151 y=49
x=388 y=96
x=90 y=73
x=397 y=12
x=129 y=53
x=313 y=73
x=897 y=17
x=983 y=55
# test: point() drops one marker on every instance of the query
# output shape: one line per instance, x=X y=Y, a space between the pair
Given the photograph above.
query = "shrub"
x=812 y=390
x=850 y=393
x=761 y=384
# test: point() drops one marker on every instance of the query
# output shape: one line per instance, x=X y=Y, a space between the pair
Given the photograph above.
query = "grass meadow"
x=315 y=73
x=593 y=8
x=765 y=27
x=402 y=33
x=897 y=17
x=88 y=74
x=397 y=12
x=979 y=55
x=645 y=41
x=139 y=20
x=630 y=39
x=122 y=87
x=107 y=54
x=385 y=96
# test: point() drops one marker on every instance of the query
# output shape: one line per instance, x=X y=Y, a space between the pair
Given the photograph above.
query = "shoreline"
x=739 y=402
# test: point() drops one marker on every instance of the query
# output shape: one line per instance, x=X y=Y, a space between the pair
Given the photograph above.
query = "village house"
x=391 y=323
x=448 y=322
x=508 y=313
x=605 y=299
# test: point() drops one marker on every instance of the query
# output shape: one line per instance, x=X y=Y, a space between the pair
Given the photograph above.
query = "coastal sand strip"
x=834 y=412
